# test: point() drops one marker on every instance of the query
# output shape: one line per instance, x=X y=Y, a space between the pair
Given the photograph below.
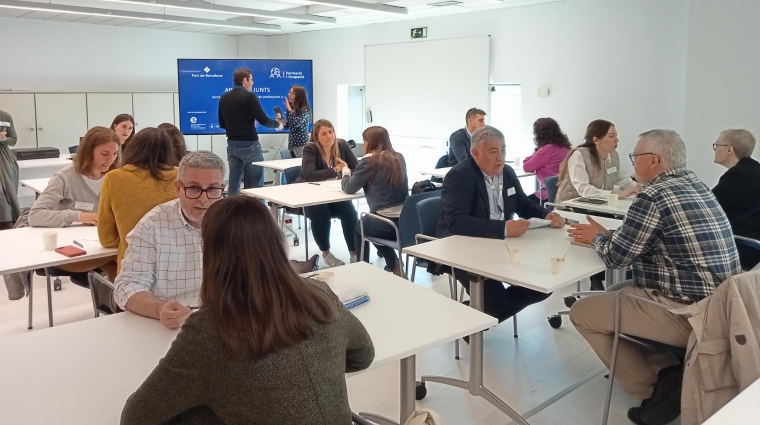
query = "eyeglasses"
x=715 y=146
x=633 y=156
x=193 y=192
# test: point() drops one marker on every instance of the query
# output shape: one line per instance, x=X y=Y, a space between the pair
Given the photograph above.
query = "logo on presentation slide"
x=275 y=73
x=193 y=120
x=207 y=69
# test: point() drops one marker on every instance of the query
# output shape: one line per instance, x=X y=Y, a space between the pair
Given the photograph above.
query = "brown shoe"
x=398 y=271
x=306 y=266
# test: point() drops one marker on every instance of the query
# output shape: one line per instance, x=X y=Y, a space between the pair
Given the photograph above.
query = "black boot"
x=665 y=405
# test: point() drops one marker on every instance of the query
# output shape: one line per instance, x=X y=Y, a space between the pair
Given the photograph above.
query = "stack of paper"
x=331 y=186
x=350 y=295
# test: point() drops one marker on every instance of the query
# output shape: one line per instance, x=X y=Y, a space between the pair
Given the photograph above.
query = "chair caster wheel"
x=420 y=390
x=57 y=286
x=296 y=242
x=569 y=301
x=555 y=321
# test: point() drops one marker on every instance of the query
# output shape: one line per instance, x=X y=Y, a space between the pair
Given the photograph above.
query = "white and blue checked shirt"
x=164 y=257
x=676 y=237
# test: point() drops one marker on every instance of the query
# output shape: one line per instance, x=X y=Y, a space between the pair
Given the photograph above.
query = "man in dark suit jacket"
x=738 y=189
x=460 y=140
x=480 y=196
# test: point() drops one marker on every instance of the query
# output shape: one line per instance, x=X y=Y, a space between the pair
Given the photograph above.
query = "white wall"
x=723 y=77
x=60 y=56
x=622 y=60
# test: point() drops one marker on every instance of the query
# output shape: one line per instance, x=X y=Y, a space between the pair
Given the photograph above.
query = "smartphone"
x=594 y=201
x=569 y=221
x=278 y=112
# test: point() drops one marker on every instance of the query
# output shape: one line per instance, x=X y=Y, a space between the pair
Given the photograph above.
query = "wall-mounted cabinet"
x=61 y=119
x=102 y=108
x=21 y=108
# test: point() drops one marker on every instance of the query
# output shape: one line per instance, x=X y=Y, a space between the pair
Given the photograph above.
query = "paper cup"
x=612 y=199
x=326 y=277
x=513 y=257
x=517 y=162
x=49 y=240
x=556 y=265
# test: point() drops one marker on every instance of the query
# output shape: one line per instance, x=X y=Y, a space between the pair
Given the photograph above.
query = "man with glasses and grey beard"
x=164 y=259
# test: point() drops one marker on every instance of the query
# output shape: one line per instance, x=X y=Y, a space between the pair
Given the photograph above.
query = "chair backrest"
x=551 y=187
x=73 y=149
x=285 y=154
x=101 y=290
x=748 y=242
x=291 y=174
x=428 y=213
x=443 y=162
x=408 y=224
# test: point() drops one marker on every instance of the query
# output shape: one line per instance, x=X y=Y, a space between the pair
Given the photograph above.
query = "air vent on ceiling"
x=303 y=23
x=445 y=3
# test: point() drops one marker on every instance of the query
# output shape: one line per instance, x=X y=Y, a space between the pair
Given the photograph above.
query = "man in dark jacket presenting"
x=480 y=197
x=239 y=109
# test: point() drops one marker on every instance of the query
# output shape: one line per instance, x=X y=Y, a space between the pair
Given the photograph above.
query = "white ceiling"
x=344 y=16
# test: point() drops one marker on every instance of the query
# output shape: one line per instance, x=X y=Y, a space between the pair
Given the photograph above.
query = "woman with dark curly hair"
x=552 y=147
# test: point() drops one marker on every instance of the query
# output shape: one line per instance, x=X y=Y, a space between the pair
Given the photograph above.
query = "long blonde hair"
x=334 y=153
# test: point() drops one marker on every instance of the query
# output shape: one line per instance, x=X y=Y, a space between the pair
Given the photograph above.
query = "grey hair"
x=201 y=159
x=667 y=145
x=741 y=140
x=485 y=133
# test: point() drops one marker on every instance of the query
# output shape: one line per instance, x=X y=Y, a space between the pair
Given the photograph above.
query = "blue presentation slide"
x=203 y=81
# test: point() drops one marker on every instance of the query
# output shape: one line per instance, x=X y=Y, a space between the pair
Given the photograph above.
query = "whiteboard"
x=424 y=89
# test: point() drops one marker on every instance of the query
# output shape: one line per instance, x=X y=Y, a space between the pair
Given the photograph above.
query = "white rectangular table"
x=744 y=409
x=619 y=210
x=22 y=250
x=300 y=195
x=36 y=169
x=441 y=172
x=37 y=185
x=487 y=258
x=279 y=166
x=56 y=163
x=82 y=373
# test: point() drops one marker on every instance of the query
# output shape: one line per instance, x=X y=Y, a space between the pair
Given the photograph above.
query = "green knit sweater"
x=199 y=382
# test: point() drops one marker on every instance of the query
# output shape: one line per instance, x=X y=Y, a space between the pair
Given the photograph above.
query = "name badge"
x=510 y=191
x=84 y=206
x=5 y=124
x=612 y=170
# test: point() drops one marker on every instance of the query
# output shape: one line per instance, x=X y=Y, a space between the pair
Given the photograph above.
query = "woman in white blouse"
x=594 y=168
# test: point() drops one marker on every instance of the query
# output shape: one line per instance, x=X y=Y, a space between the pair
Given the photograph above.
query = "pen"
x=314 y=183
x=78 y=244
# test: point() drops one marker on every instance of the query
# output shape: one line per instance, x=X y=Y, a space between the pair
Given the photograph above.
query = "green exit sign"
x=419 y=32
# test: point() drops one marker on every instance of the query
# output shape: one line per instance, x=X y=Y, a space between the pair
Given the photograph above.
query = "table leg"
x=277 y=178
x=407 y=394
x=475 y=384
x=306 y=232
x=31 y=294
x=50 y=303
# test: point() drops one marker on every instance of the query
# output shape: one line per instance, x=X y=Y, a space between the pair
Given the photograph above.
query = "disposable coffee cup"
x=517 y=162
x=326 y=277
x=612 y=199
x=513 y=257
x=556 y=265
x=49 y=240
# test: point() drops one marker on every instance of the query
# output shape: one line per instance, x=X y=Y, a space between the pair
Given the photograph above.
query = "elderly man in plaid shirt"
x=679 y=244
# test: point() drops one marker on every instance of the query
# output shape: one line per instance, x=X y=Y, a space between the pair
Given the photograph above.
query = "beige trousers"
x=637 y=366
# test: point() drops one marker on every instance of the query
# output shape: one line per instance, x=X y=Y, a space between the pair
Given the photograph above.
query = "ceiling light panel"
x=90 y=11
x=229 y=10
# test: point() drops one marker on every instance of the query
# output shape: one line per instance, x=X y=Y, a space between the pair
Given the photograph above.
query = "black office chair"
x=73 y=149
x=747 y=242
x=443 y=162
x=551 y=185
x=79 y=279
x=285 y=154
x=289 y=176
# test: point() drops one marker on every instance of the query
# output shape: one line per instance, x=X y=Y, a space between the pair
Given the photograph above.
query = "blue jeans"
x=240 y=160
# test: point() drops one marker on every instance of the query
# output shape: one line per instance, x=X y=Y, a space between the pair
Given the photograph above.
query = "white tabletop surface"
x=441 y=172
x=299 y=195
x=488 y=257
x=620 y=209
x=82 y=373
x=37 y=185
x=744 y=409
x=22 y=248
x=280 y=164
x=60 y=162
